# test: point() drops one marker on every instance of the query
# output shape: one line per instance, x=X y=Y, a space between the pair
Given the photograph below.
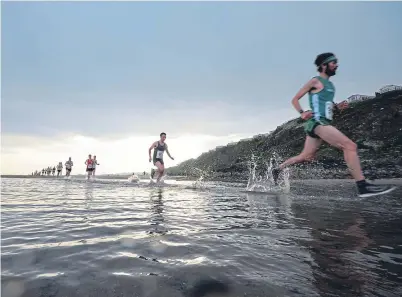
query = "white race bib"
x=159 y=154
x=329 y=110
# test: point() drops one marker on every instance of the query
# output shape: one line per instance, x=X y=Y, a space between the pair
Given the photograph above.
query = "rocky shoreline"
x=375 y=125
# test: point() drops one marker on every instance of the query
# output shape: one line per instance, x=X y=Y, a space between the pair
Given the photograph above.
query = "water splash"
x=153 y=181
x=261 y=178
x=200 y=182
x=133 y=179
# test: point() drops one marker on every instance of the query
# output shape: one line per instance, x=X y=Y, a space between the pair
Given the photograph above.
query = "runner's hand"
x=172 y=158
x=150 y=159
x=306 y=115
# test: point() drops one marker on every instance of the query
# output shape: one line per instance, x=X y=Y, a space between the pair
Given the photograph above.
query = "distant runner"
x=318 y=126
x=69 y=165
x=95 y=162
x=59 y=168
x=90 y=163
x=159 y=148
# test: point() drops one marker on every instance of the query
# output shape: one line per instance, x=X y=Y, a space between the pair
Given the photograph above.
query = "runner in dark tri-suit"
x=159 y=148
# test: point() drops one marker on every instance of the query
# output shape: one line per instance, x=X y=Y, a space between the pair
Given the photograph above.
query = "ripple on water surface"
x=110 y=238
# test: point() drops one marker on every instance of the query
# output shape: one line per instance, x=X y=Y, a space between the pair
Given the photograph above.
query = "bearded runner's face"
x=331 y=68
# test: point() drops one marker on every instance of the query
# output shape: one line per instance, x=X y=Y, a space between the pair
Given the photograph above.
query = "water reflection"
x=339 y=240
x=89 y=190
x=77 y=238
x=157 y=208
x=67 y=189
x=271 y=209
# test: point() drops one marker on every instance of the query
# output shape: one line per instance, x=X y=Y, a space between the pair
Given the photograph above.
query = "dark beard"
x=330 y=72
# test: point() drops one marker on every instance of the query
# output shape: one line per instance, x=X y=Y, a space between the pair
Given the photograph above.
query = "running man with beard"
x=318 y=126
x=159 y=148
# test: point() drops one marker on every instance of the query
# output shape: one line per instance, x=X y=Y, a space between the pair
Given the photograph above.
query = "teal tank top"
x=322 y=103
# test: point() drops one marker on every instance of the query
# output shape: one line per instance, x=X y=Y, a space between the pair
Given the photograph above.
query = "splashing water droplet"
x=200 y=183
x=262 y=180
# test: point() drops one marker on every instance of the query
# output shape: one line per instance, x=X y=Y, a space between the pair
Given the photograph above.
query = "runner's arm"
x=303 y=91
x=167 y=152
x=150 y=149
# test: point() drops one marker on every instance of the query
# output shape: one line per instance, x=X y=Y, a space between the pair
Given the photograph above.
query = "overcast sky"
x=107 y=77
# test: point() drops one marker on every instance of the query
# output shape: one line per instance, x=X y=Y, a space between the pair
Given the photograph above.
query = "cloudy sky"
x=106 y=78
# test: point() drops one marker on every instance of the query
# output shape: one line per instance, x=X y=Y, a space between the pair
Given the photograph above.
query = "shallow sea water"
x=114 y=238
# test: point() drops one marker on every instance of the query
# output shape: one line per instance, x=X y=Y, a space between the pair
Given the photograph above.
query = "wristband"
x=301 y=111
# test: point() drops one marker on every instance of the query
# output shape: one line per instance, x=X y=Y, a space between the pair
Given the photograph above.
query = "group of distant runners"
x=90 y=163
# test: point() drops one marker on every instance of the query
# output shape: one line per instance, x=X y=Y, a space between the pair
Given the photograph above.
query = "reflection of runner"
x=159 y=148
x=318 y=126
x=335 y=246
